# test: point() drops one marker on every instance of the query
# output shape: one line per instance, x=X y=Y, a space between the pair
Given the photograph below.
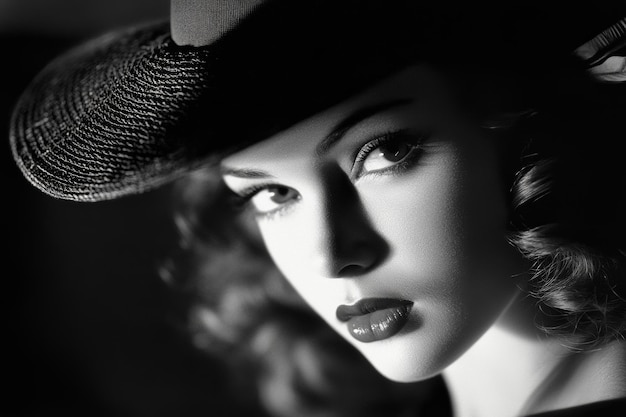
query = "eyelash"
x=415 y=140
x=242 y=198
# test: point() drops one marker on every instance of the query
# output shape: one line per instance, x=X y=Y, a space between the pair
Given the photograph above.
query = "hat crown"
x=200 y=22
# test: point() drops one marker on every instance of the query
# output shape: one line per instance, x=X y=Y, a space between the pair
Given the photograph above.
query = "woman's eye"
x=385 y=156
x=272 y=198
x=388 y=153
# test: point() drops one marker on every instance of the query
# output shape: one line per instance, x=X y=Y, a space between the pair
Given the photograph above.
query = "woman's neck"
x=513 y=371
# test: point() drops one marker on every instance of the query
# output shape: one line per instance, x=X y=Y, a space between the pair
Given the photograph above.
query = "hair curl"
x=568 y=207
x=560 y=132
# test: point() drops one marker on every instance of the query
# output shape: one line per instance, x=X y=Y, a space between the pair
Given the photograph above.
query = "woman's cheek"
x=295 y=241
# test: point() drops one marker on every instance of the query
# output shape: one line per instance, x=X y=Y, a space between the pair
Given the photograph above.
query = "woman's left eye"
x=271 y=198
x=391 y=152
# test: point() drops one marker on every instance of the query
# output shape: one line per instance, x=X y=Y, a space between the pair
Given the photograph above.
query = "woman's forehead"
x=416 y=83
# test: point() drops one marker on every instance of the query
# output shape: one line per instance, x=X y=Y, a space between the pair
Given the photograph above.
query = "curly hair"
x=568 y=203
x=566 y=190
x=560 y=132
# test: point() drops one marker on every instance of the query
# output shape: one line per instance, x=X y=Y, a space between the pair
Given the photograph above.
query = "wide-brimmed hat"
x=139 y=107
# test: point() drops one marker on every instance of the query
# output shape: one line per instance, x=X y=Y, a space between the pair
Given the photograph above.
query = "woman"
x=424 y=180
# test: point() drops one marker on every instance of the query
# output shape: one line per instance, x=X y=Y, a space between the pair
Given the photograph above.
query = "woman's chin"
x=398 y=360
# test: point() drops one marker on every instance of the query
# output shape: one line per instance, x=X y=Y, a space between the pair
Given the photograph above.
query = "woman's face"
x=388 y=216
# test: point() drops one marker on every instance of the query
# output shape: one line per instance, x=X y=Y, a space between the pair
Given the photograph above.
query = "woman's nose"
x=350 y=245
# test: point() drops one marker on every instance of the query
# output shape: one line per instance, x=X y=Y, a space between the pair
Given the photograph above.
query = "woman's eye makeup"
x=268 y=199
x=388 y=154
x=391 y=153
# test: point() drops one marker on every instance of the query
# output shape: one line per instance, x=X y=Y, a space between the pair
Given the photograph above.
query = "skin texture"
x=432 y=232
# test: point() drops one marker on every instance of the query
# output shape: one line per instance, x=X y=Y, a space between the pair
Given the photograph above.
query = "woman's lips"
x=373 y=319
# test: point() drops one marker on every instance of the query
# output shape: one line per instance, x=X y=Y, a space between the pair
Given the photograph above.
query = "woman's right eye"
x=273 y=198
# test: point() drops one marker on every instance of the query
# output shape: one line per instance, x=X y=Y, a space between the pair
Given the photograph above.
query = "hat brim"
x=95 y=123
x=131 y=111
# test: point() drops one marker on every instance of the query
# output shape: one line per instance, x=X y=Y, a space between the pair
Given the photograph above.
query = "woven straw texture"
x=95 y=124
x=132 y=110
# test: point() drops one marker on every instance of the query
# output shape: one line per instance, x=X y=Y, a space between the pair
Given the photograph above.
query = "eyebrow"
x=245 y=173
x=329 y=140
x=352 y=120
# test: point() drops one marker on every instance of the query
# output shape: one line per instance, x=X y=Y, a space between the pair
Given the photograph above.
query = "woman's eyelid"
x=406 y=119
x=252 y=190
x=379 y=139
x=249 y=193
x=413 y=136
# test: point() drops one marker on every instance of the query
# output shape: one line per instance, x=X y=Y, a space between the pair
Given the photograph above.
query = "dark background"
x=88 y=327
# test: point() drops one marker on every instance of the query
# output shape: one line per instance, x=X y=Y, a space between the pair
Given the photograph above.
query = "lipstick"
x=373 y=319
